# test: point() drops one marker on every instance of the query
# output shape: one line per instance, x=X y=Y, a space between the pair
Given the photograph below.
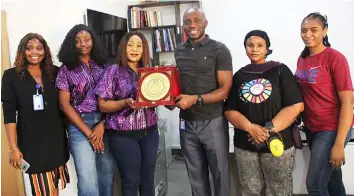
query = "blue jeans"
x=322 y=179
x=94 y=171
x=136 y=159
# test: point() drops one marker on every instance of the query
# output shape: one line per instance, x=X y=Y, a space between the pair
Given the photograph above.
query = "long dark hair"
x=323 y=20
x=68 y=54
x=122 y=59
x=47 y=62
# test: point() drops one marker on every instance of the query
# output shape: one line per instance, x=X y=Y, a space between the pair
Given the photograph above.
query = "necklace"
x=36 y=76
x=35 y=73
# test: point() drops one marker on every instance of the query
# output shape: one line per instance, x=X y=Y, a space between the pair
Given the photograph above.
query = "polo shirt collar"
x=204 y=41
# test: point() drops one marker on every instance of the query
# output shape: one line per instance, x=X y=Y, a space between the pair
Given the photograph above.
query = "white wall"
x=230 y=21
x=53 y=19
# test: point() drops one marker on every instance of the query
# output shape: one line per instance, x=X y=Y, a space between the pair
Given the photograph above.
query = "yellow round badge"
x=276 y=147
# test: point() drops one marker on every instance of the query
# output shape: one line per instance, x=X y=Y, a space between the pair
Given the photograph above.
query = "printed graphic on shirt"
x=255 y=91
x=308 y=76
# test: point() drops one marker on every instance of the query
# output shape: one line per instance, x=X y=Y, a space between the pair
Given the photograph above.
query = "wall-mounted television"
x=109 y=28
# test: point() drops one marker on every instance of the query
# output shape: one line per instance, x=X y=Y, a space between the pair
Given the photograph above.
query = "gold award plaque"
x=155 y=86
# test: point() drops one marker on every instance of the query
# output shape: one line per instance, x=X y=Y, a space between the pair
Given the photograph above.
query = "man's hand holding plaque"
x=157 y=86
x=184 y=102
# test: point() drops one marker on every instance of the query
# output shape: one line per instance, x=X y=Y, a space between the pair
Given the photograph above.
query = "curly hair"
x=122 y=59
x=68 y=54
x=47 y=62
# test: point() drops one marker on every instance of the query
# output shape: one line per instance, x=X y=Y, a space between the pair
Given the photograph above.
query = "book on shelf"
x=140 y=18
x=165 y=39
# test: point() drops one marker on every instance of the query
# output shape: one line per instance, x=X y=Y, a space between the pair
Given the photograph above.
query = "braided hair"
x=322 y=19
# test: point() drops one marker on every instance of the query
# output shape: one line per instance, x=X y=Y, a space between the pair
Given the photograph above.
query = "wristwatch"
x=200 y=100
x=269 y=125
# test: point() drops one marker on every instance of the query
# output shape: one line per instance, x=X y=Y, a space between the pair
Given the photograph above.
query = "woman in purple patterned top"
x=133 y=130
x=84 y=58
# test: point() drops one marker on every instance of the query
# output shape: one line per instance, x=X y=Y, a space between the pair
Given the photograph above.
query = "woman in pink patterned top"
x=133 y=130
x=83 y=58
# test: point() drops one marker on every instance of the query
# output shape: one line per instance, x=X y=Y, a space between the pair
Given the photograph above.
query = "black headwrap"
x=263 y=35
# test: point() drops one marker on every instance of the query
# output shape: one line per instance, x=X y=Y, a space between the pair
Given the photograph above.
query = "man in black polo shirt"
x=205 y=71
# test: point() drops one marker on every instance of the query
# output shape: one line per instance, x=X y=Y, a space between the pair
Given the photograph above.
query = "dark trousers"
x=205 y=145
x=136 y=160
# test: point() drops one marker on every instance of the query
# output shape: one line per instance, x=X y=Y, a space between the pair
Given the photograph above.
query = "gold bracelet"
x=13 y=150
x=249 y=127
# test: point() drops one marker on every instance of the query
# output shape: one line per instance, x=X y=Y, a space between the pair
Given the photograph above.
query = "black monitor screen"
x=109 y=28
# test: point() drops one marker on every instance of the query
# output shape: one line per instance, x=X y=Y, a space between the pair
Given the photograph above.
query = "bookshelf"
x=161 y=24
x=151 y=28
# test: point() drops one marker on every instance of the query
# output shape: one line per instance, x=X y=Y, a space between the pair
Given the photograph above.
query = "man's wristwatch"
x=199 y=100
x=270 y=126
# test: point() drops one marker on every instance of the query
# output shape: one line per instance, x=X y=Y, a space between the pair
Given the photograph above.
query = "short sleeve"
x=290 y=92
x=8 y=98
x=233 y=100
x=224 y=59
x=341 y=74
x=62 y=82
x=105 y=88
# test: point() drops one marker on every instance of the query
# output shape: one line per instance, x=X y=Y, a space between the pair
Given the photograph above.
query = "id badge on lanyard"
x=38 y=100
